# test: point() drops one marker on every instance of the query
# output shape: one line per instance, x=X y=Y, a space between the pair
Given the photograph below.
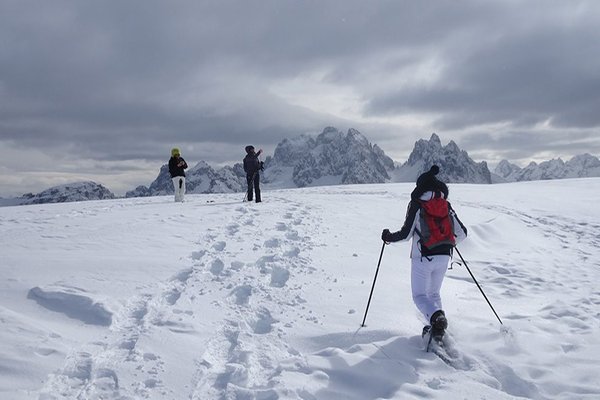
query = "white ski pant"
x=426 y=279
x=179 y=186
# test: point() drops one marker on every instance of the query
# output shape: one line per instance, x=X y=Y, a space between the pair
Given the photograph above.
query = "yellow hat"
x=175 y=152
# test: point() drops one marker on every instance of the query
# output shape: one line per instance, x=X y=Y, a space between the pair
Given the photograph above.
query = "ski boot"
x=439 y=323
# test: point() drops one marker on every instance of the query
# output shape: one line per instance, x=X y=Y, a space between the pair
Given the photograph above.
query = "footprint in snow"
x=272 y=243
x=279 y=276
x=172 y=296
x=219 y=246
x=281 y=226
x=242 y=294
x=237 y=265
x=292 y=235
x=216 y=267
x=232 y=229
x=263 y=322
x=183 y=275
x=293 y=252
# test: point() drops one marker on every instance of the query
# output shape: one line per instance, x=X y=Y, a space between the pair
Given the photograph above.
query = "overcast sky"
x=101 y=90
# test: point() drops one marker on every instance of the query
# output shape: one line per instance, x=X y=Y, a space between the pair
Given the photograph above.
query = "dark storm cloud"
x=508 y=68
x=126 y=80
x=113 y=74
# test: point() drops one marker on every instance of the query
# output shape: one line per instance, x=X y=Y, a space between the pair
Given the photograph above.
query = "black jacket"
x=251 y=164
x=176 y=170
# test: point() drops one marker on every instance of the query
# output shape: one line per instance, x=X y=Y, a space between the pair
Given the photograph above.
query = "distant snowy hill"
x=580 y=166
x=331 y=158
x=202 y=178
x=78 y=191
x=455 y=164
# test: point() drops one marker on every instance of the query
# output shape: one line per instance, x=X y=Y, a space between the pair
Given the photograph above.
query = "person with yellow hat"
x=177 y=165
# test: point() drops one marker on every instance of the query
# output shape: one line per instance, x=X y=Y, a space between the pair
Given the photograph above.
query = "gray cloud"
x=512 y=69
x=122 y=81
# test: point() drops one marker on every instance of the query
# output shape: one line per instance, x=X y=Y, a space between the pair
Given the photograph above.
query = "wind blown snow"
x=144 y=298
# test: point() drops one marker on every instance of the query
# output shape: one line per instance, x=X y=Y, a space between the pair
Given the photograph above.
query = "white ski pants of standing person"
x=179 y=186
x=426 y=279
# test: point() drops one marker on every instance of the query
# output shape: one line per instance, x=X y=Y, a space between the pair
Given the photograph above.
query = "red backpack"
x=437 y=227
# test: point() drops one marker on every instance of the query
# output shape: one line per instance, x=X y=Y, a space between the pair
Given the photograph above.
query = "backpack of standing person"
x=436 y=224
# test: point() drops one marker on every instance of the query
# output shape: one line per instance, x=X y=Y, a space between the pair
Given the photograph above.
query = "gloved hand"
x=386 y=235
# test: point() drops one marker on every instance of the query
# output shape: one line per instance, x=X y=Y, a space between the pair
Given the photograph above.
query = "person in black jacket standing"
x=252 y=166
x=177 y=165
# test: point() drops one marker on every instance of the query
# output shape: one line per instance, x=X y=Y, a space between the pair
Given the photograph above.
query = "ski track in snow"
x=252 y=275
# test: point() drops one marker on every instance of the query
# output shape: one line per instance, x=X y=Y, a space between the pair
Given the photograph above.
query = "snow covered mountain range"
x=580 y=166
x=202 y=178
x=333 y=158
x=78 y=191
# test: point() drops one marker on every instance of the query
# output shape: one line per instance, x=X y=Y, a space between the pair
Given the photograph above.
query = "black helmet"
x=249 y=149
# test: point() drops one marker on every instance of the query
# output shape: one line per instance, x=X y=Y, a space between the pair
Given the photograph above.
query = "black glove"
x=386 y=235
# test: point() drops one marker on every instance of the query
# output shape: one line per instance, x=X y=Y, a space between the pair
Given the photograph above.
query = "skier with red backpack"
x=435 y=229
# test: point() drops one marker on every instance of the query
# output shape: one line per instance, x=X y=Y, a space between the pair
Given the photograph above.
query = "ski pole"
x=251 y=183
x=373 y=287
x=480 y=289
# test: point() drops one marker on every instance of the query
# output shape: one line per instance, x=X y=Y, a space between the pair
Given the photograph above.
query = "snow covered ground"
x=144 y=298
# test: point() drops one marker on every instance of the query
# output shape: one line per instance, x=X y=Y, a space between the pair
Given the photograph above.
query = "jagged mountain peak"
x=455 y=164
x=331 y=134
x=331 y=157
x=435 y=139
x=452 y=146
x=506 y=170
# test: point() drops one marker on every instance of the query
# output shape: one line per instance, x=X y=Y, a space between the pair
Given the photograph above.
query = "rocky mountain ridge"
x=332 y=158
x=202 y=178
x=455 y=164
x=580 y=166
